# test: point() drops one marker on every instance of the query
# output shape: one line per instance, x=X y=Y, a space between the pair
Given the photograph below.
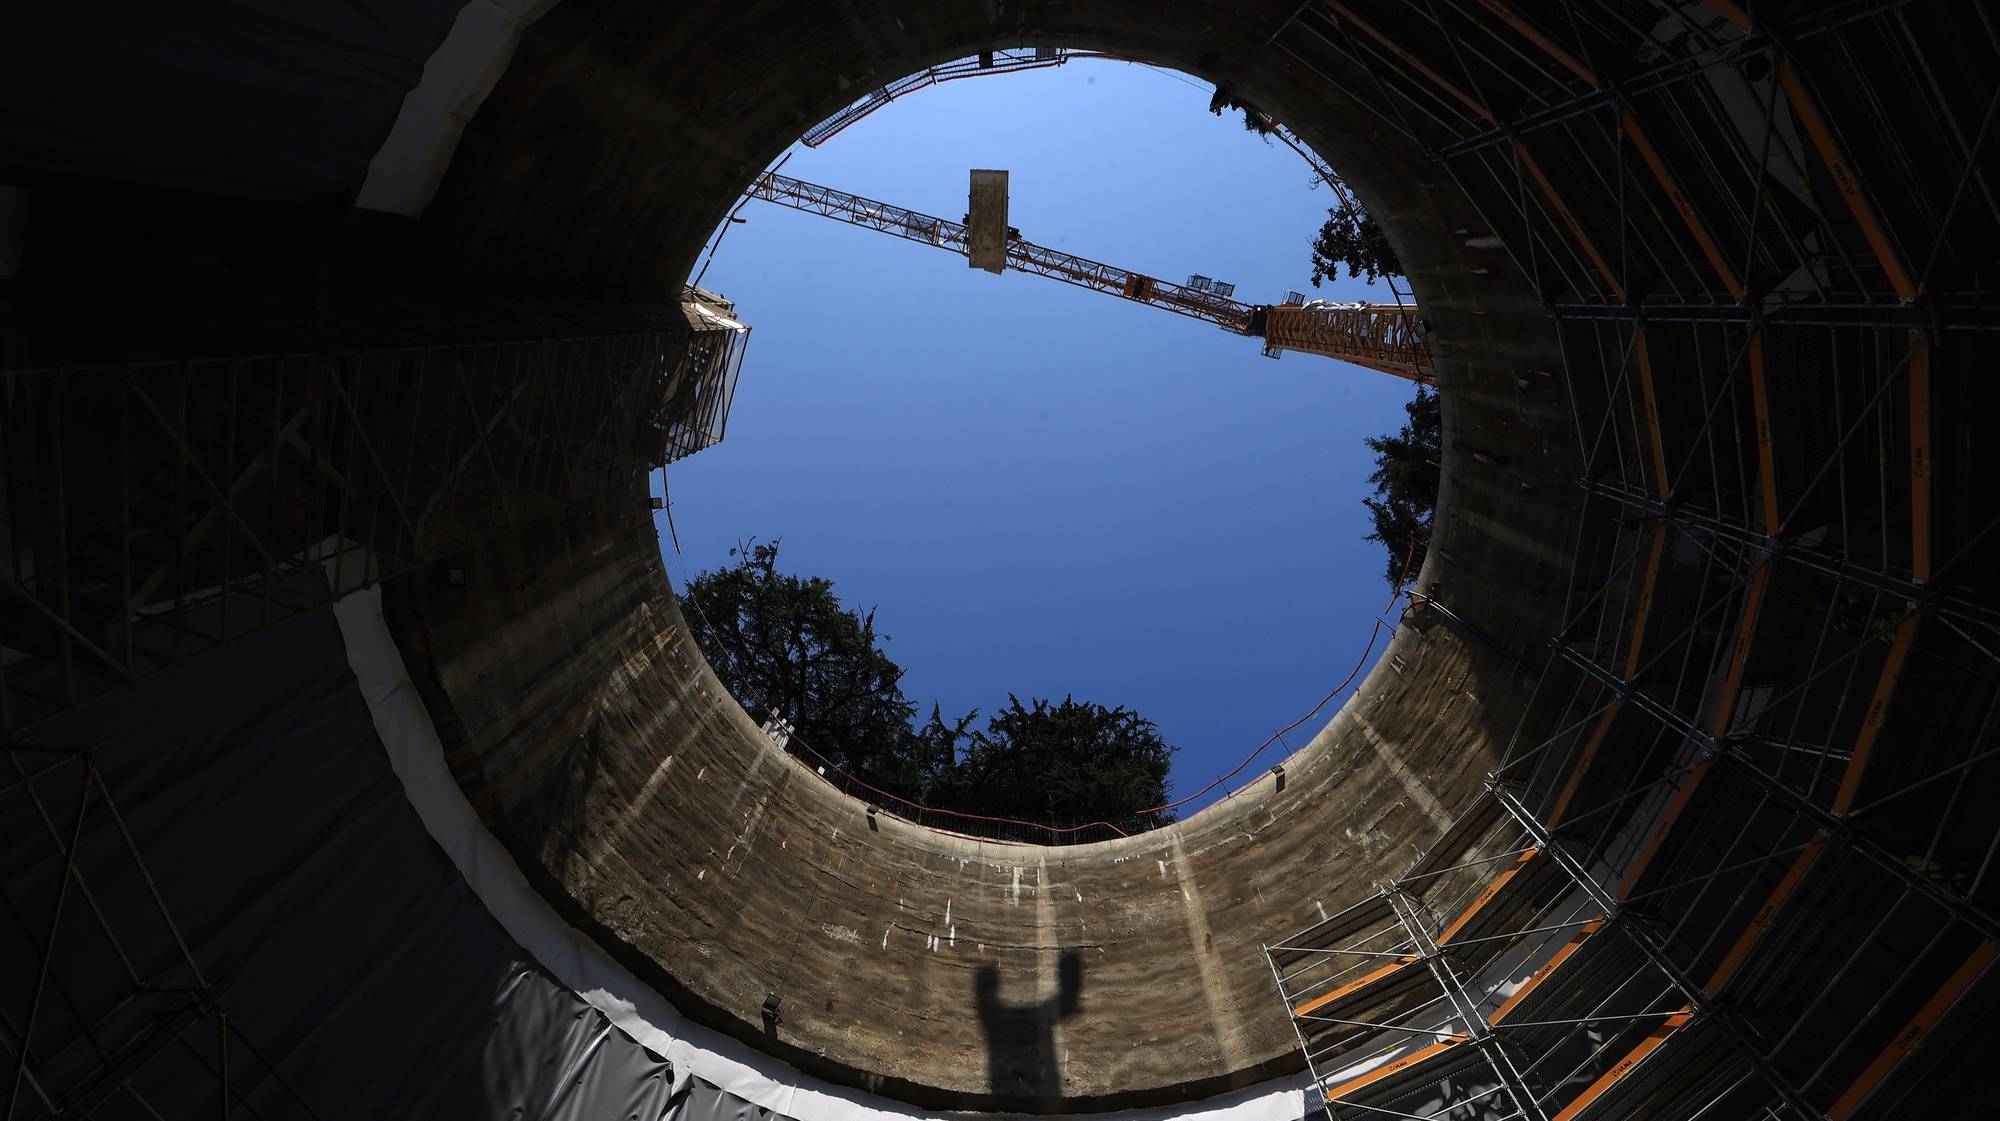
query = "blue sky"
x=1045 y=490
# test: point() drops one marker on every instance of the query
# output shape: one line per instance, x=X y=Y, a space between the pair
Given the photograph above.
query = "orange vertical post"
x=1914 y=1031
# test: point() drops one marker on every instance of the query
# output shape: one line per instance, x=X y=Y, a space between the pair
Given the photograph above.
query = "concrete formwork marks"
x=1048 y=966
x=1215 y=992
x=756 y=818
x=1412 y=785
x=611 y=839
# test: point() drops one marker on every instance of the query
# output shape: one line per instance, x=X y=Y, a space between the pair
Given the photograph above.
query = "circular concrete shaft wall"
x=920 y=963
x=1710 y=590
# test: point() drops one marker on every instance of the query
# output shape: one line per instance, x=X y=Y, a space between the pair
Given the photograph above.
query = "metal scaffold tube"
x=1764 y=590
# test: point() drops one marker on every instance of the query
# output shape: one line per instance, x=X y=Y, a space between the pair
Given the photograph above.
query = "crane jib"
x=1384 y=337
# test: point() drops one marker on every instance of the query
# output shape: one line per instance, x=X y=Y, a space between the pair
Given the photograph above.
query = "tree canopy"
x=1350 y=237
x=1406 y=484
x=1067 y=763
x=788 y=649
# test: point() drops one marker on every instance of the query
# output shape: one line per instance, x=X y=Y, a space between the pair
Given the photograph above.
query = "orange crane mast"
x=1383 y=337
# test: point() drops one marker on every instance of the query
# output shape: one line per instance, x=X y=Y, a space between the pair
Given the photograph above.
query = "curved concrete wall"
x=582 y=725
x=604 y=753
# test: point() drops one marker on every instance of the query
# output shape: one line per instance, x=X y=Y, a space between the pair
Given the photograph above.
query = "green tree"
x=787 y=649
x=1350 y=237
x=1067 y=763
x=933 y=751
x=1406 y=484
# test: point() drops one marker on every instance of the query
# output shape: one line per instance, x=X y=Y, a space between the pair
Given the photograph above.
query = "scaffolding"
x=1737 y=860
x=227 y=490
x=232 y=490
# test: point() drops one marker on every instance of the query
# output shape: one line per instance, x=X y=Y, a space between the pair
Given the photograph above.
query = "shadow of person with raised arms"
x=1021 y=1038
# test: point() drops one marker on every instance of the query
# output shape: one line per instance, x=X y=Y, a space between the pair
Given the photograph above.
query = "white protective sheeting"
x=407 y=169
x=417 y=756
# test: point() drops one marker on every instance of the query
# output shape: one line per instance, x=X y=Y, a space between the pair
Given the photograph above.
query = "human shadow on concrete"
x=1021 y=1055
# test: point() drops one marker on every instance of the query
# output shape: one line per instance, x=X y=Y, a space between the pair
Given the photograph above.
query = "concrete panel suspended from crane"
x=986 y=221
x=1384 y=337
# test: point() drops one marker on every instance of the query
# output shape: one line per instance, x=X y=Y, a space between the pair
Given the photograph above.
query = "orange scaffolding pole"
x=1356 y=985
x=1662 y=485
x=1689 y=782
x=1907 y=1039
x=1387 y=1069
x=1402 y=963
x=1893 y=267
x=1625 y=1065
x=1485 y=897
x=1761 y=921
x=1760 y=402
x=1639 y=617
x=1629 y=125
x=1521 y=153
x=1569 y=948
x=1878 y=709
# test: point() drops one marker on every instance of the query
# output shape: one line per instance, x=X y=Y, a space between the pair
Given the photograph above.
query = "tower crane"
x=1383 y=337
